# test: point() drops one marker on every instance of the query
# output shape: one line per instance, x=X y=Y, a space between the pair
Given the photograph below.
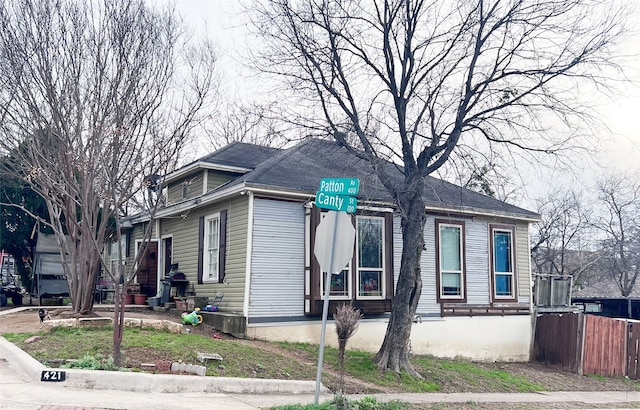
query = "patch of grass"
x=471 y=374
x=278 y=361
x=360 y=365
x=149 y=345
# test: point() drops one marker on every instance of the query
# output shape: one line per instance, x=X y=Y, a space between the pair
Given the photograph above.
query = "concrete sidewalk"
x=21 y=389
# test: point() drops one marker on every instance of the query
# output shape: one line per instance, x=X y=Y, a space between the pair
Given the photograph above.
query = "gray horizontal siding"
x=277 y=262
x=523 y=262
x=428 y=301
x=477 y=261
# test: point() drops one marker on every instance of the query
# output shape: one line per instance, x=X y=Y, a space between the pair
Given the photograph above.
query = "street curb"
x=20 y=359
x=145 y=382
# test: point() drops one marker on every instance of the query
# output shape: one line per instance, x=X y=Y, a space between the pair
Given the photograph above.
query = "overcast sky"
x=224 y=23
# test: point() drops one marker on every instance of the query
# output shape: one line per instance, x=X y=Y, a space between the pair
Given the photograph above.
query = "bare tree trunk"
x=118 y=321
x=395 y=349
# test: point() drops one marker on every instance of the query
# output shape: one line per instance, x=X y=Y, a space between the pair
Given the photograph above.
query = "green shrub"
x=97 y=362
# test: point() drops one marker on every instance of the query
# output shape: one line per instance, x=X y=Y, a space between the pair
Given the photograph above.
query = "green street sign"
x=336 y=202
x=339 y=186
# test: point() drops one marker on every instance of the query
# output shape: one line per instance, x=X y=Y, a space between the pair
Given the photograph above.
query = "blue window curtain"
x=502 y=252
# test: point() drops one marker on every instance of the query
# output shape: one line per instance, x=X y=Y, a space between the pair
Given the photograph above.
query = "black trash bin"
x=166 y=291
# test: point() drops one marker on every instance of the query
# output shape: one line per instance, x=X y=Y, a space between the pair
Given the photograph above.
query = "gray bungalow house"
x=241 y=222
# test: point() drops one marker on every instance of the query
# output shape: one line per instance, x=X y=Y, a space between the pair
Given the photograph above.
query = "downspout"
x=533 y=308
x=157 y=236
x=247 y=278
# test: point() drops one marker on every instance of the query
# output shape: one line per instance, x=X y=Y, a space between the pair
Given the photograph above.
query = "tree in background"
x=619 y=197
x=564 y=242
x=249 y=123
x=18 y=223
x=409 y=81
x=97 y=99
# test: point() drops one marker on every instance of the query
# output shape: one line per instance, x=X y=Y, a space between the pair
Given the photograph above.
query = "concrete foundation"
x=486 y=338
x=228 y=323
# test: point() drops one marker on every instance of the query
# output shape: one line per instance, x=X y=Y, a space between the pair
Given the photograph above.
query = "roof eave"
x=202 y=165
x=244 y=188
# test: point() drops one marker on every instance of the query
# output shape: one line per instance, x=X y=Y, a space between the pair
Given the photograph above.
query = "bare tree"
x=483 y=172
x=411 y=80
x=563 y=242
x=250 y=123
x=620 y=223
x=96 y=96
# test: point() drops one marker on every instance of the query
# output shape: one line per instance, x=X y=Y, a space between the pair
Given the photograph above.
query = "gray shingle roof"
x=240 y=154
x=301 y=167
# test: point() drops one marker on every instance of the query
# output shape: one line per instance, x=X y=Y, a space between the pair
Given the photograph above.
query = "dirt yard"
x=552 y=378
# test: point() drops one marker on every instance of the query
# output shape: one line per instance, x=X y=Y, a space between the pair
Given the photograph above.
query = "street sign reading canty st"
x=335 y=194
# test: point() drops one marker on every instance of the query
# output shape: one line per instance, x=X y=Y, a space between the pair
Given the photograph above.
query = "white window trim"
x=382 y=269
x=493 y=264
x=205 y=257
x=462 y=261
x=349 y=294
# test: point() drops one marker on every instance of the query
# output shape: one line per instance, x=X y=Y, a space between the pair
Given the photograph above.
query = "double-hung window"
x=370 y=257
x=503 y=262
x=451 y=262
x=211 y=247
x=367 y=280
x=369 y=262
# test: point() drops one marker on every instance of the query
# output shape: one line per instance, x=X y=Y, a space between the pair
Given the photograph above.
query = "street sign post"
x=334 y=194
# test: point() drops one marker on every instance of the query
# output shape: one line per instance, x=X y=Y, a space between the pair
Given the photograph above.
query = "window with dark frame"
x=212 y=247
x=503 y=271
x=370 y=256
x=367 y=281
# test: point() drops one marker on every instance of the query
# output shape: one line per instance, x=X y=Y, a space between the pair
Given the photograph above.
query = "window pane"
x=451 y=284
x=340 y=284
x=370 y=283
x=503 y=285
x=370 y=243
x=212 y=248
x=502 y=252
x=450 y=248
x=213 y=263
x=213 y=234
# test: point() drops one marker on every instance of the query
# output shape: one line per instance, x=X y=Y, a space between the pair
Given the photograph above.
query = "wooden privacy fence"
x=633 y=359
x=588 y=344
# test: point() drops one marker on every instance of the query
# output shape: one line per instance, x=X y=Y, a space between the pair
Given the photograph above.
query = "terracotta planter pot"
x=128 y=299
x=181 y=305
x=139 y=299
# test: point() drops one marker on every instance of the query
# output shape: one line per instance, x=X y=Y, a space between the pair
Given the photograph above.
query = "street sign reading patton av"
x=340 y=186
x=335 y=193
